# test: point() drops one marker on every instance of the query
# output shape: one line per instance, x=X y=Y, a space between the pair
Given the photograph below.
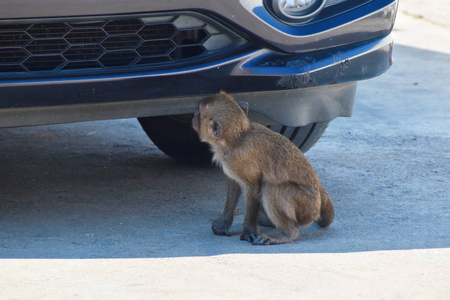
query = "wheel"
x=303 y=137
x=175 y=136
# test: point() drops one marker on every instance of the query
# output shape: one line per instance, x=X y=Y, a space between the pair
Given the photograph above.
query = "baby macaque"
x=277 y=180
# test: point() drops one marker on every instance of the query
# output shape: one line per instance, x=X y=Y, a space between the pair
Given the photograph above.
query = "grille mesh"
x=58 y=47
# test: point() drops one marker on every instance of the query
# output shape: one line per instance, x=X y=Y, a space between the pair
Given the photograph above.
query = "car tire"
x=175 y=136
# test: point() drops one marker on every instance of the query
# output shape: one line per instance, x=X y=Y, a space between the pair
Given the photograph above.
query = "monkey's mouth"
x=196 y=122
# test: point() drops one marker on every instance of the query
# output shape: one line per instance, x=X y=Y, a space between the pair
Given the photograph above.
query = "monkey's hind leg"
x=278 y=204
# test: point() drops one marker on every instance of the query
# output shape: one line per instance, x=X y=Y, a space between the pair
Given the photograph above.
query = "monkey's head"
x=220 y=120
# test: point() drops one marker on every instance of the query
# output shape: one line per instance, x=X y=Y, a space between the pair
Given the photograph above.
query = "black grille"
x=60 y=47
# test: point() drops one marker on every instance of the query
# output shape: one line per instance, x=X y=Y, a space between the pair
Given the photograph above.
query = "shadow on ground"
x=102 y=190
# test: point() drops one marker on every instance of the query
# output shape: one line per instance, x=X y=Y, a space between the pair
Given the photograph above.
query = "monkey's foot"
x=221 y=227
x=256 y=239
x=262 y=239
x=249 y=237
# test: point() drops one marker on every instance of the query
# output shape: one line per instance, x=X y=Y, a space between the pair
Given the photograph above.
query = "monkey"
x=272 y=173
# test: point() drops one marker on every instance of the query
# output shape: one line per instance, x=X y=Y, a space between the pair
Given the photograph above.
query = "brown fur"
x=276 y=178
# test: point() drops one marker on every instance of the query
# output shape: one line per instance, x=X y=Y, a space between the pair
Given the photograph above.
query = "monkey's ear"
x=244 y=106
x=216 y=129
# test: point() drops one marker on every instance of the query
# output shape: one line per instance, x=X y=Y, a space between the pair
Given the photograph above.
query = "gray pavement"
x=434 y=11
x=95 y=211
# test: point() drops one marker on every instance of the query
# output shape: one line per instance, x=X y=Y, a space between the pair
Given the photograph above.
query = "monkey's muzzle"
x=196 y=122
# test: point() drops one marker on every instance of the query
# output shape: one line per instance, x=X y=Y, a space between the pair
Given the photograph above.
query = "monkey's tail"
x=326 y=209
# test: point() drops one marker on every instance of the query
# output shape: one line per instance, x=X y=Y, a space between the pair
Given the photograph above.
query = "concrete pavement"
x=95 y=211
x=434 y=11
x=413 y=274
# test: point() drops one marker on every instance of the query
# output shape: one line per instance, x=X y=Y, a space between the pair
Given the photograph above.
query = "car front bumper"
x=294 y=80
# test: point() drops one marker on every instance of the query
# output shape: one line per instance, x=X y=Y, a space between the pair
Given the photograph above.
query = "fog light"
x=297 y=10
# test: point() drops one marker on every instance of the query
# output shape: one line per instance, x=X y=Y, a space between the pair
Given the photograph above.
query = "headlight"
x=296 y=11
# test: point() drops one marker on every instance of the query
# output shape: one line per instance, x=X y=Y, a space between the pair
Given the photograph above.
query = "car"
x=295 y=62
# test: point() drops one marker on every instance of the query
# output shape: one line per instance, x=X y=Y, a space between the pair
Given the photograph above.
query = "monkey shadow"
x=312 y=232
x=312 y=239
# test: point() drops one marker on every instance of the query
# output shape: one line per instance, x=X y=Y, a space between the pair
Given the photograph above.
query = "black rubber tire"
x=175 y=136
x=303 y=137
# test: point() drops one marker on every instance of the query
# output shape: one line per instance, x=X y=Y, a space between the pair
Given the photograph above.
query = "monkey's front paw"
x=221 y=227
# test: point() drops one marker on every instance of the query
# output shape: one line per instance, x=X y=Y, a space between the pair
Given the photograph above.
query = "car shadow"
x=103 y=190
